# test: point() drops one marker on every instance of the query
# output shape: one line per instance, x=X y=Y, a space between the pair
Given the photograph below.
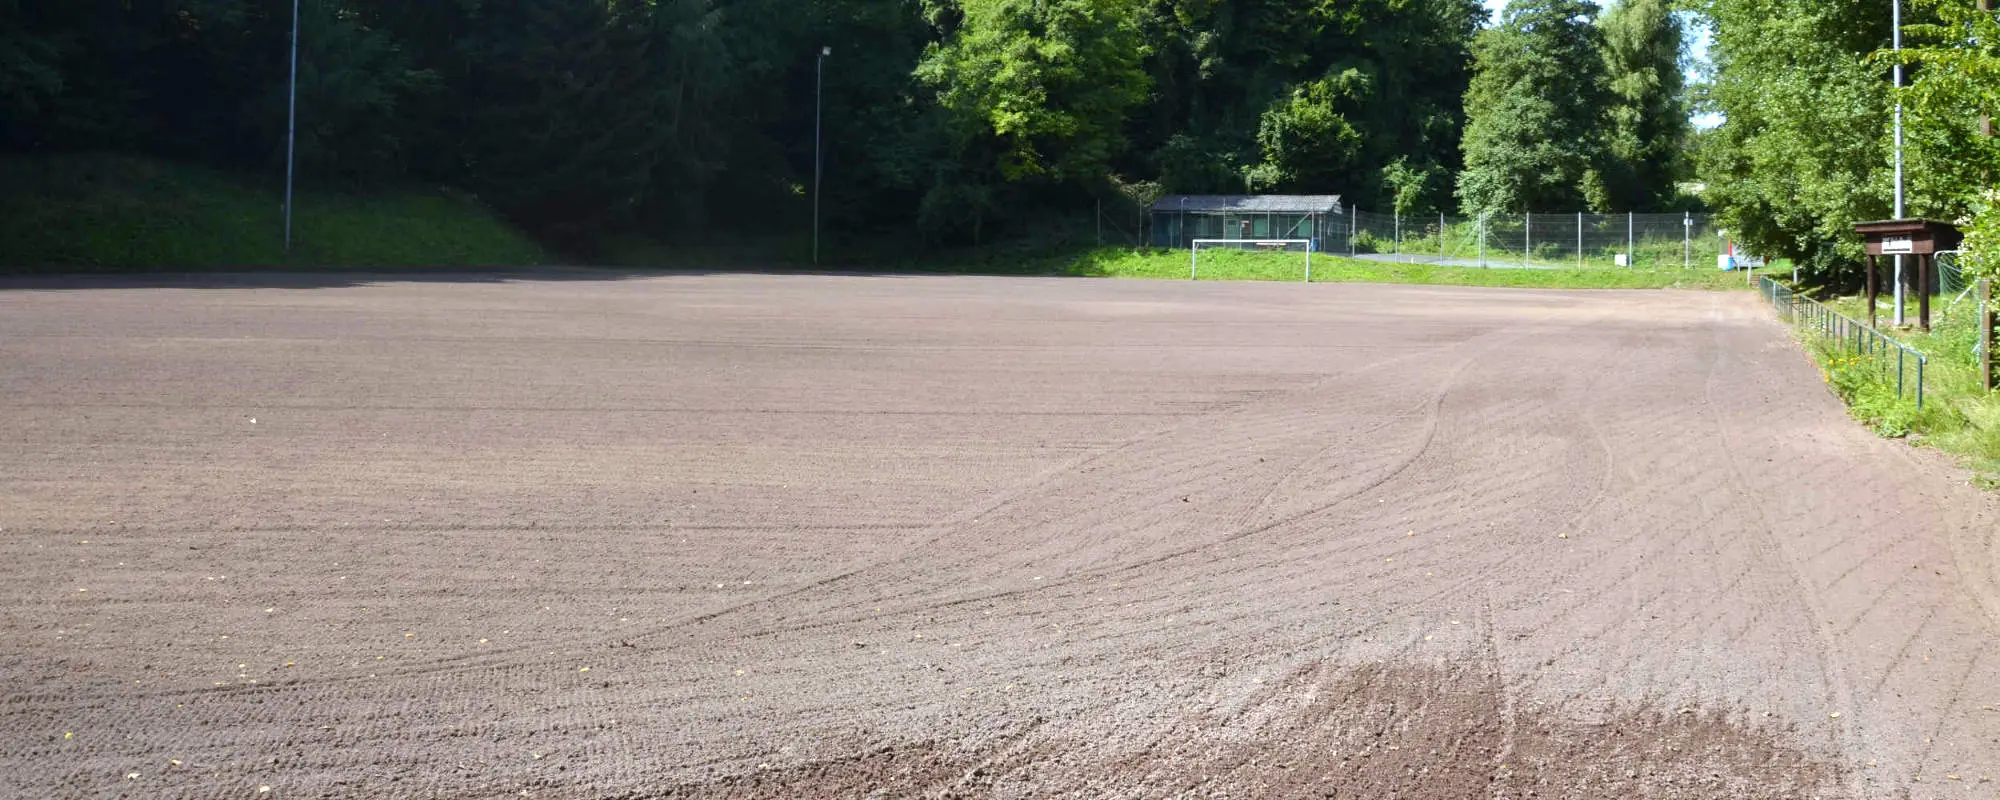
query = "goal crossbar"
x=1194 y=259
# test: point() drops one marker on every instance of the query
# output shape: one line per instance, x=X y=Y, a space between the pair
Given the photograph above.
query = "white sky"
x=1698 y=53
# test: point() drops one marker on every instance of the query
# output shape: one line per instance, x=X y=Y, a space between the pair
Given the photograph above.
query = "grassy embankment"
x=1959 y=417
x=75 y=213
x=1235 y=265
x=86 y=213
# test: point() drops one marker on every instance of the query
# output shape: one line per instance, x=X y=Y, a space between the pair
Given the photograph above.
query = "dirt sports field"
x=761 y=536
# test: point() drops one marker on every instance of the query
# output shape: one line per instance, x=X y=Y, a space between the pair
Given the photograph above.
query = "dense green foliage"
x=1314 y=97
x=1645 y=49
x=1804 y=152
x=1569 y=110
x=946 y=122
x=1952 y=152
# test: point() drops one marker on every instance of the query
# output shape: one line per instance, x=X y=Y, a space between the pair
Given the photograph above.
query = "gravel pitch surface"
x=761 y=536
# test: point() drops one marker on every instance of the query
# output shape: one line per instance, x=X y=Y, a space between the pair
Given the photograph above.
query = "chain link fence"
x=1951 y=279
x=1536 y=241
x=1545 y=241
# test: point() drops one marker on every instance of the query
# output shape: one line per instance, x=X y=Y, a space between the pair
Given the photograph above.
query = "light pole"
x=819 y=95
x=1896 y=40
x=292 y=127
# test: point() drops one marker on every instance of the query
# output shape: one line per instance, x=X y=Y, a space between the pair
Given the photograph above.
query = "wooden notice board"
x=1919 y=239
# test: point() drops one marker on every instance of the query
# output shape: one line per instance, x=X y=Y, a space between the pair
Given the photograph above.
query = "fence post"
x=1397 y=248
x=1687 y=240
x=1631 y=242
x=1441 y=254
x=1527 y=235
x=1353 y=226
x=1987 y=362
x=1480 y=229
x=1579 y=240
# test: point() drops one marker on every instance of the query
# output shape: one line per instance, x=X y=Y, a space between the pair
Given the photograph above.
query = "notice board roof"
x=1250 y=203
x=1908 y=236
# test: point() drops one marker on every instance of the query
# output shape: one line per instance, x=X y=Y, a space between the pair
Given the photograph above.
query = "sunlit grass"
x=1959 y=416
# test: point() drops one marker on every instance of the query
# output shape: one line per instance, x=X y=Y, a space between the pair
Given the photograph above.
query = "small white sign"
x=1898 y=244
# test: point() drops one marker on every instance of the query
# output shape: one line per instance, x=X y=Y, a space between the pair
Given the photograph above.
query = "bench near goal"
x=1304 y=246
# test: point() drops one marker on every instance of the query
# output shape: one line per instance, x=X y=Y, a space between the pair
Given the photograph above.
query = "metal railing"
x=1849 y=334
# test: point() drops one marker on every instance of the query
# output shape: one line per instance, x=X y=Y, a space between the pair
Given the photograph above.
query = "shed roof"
x=1250 y=203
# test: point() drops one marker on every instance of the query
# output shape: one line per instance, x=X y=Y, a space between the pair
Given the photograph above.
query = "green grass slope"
x=103 y=213
x=1959 y=416
x=1238 y=265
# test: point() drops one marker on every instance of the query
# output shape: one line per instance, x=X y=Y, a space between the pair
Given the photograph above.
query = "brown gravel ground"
x=760 y=536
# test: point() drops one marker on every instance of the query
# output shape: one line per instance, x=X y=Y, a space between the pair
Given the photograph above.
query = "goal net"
x=1252 y=257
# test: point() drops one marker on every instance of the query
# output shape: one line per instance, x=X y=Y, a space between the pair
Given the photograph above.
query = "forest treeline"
x=945 y=121
x=957 y=121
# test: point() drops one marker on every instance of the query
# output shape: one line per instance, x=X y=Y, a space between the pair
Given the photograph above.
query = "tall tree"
x=1803 y=150
x=1536 y=111
x=354 y=79
x=1644 y=55
x=1050 y=80
x=1954 y=157
x=31 y=77
x=1268 y=95
x=1036 y=94
x=559 y=123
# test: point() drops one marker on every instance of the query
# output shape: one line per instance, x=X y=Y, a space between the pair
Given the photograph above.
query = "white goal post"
x=1258 y=245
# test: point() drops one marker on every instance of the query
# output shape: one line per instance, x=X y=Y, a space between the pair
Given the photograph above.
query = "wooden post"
x=1986 y=316
x=1871 y=291
x=1924 y=266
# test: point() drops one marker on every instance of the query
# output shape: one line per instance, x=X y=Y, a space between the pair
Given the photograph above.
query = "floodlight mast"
x=819 y=161
x=292 y=127
x=1896 y=43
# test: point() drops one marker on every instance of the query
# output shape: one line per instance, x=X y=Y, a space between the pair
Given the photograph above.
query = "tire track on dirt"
x=481 y=661
x=1450 y=589
x=471 y=669
x=1839 y=686
x=1434 y=406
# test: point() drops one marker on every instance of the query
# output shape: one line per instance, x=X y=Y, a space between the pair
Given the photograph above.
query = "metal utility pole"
x=292 y=128
x=1896 y=39
x=819 y=161
x=1985 y=121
